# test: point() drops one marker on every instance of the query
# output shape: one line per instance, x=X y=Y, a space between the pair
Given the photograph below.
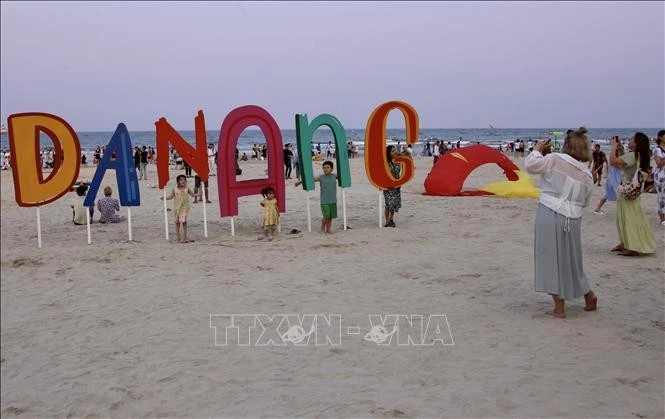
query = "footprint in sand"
x=504 y=402
x=20 y=262
x=658 y=324
x=648 y=414
x=380 y=412
x=634 y=383
x=11 y=410
x=98 y=259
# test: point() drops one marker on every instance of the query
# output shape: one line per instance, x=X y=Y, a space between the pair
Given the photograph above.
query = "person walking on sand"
x=270 y=213
x=436 y=152
x=392 y=197
x=198 y=190
x=566 y=185
x=659 y=174
x=329 y=150
x=635 y=234
x=181 y=208
x=144 y=163
x=288 y=155
x=137 y=160
x=211 y=158
x=296 y=164
x=598 y=160
x=328 y=181
x=611 y=183
x=188 y=168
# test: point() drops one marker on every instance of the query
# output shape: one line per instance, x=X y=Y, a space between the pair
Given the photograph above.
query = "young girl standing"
x=270 y=213
x=181 y=206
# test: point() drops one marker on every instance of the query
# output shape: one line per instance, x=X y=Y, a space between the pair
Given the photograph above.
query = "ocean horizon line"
x=403 y=129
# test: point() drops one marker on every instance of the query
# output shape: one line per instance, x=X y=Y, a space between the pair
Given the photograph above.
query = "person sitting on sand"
x=108 y=206
x=78 y=209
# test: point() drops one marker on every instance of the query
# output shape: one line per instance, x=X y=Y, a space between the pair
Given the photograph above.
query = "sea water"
x=467 y=136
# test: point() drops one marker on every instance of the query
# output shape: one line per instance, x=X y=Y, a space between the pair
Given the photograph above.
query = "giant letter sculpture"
x=378 y=171
x=228 y=187
x=304 y=134
x=197 y=157
x=30 y=188
x=125 y=172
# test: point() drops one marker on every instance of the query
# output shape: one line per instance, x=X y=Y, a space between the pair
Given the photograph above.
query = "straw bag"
x=632 y=189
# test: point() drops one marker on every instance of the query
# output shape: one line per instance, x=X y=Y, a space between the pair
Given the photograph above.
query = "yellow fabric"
x=181 y=206
x=271 y=213
x=521 y=188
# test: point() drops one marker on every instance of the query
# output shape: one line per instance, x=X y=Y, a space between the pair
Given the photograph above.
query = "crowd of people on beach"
x=566 y=181
x=438 y=148
x=181 y=193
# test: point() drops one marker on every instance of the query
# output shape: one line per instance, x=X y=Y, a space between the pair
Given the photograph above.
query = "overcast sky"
x=461 y=65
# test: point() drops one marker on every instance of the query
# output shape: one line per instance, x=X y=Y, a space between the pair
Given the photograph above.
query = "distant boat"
x=3 y=130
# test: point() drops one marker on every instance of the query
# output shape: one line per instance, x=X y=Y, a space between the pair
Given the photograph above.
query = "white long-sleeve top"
x=565 y=183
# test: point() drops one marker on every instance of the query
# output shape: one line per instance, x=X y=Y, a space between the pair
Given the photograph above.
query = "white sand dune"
x=122 y=329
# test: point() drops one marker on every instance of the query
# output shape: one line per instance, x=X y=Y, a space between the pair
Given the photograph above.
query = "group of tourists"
x=566 y=185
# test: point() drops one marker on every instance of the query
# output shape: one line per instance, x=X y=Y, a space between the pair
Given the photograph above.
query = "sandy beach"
x=123 y=329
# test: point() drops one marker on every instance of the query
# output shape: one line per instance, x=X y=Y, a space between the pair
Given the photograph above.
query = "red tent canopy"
x=451 y=170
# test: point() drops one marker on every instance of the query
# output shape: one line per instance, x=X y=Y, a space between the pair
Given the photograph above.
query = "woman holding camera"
x=566 y=185
x=635 y=234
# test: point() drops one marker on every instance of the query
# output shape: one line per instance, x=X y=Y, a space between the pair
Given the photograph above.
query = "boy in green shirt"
x=328 y=181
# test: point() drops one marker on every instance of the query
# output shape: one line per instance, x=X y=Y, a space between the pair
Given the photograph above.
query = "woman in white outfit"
x=565 y=184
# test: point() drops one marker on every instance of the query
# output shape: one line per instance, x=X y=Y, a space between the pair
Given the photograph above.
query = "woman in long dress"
x=611 y=183
x=566 y=184
x=392 y=197
x=635 y=234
